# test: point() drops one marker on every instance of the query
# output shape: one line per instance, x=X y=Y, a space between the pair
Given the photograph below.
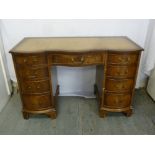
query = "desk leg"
x=26 y=115
x=52 y=114
x=128 y=113
x=102 y=113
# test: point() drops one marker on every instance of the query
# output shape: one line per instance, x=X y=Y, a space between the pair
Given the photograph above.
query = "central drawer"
x=35 y=87
x=72 y=59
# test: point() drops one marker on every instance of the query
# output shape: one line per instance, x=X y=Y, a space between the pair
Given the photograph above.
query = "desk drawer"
x=121 y=71
x=35 y=87
x=68 y=59
x=37 y=102
x=113 y=100
x=26 y=59
x=31 y=73
x=122 y=59
x=119 y=85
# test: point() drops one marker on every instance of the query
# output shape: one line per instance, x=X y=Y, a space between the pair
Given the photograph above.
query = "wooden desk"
x=116 y=60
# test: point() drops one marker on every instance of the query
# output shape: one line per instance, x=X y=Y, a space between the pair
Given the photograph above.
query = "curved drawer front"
x=33 y=73
x=119 y=85
x=35 y=86
x=95 y=58
x=121 y=71
x=117 y=100
x=75 y=59
x=123 y=59
x=37 y=102
x=38 y=59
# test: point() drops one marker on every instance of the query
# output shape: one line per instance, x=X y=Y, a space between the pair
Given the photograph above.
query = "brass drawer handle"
x=38 y=87
x=128 y=59
x=33 y=76
x=25 y=60
x=120 y=86
x=35 y=73
x=35 y=60
x=117 y=101
x=125 y=72
x=125 y=60
x=29 y=87
x=81 y=60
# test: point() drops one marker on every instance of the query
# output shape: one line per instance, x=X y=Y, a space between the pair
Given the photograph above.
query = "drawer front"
x=37 y=102
x=35 y=86
x=33 y=73
x=121 y=71
x=119 y=85
x=30 y=59
x=96 y=59
x=76 y=59
x=112 y=100
x=122 y=59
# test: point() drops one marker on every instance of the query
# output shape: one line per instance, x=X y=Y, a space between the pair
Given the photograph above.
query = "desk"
x=116 y=59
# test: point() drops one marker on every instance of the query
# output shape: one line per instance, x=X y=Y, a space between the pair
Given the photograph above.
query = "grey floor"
x=78 y=115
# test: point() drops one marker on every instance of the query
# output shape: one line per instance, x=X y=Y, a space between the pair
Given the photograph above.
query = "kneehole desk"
x=116 y=59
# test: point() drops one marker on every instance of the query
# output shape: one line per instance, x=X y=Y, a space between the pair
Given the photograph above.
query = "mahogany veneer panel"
x=72 y=59
x=34 y=87
x=121 y=71
x=33 y=73
x=30 y=59
x=119 y=85
x=37 y=102
x=124 y=59
x=113 y=100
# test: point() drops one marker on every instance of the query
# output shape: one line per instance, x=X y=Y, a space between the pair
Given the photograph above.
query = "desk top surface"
x=75 y=44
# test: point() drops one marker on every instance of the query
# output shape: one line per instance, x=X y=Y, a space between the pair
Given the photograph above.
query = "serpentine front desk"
x=116 y=59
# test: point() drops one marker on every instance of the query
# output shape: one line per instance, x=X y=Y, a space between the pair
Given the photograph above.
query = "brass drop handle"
x=35 y=73
x=25 y=60
x=125 y=59
x=124 y=72
x=38 y=87
x=117 y=101
x=128 y=59
x=81 y=60
x=120 y=86
x=123 y=86
x=35 y=59
x=29 y=87
x=33 y=76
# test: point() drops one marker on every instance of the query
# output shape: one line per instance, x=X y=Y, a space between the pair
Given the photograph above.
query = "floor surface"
x=77 y=115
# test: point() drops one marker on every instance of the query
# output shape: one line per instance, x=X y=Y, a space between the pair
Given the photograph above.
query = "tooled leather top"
x=75 y=44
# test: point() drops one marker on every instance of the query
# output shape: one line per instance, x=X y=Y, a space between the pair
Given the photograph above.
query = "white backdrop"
x=150 y=48
x=73 y=81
